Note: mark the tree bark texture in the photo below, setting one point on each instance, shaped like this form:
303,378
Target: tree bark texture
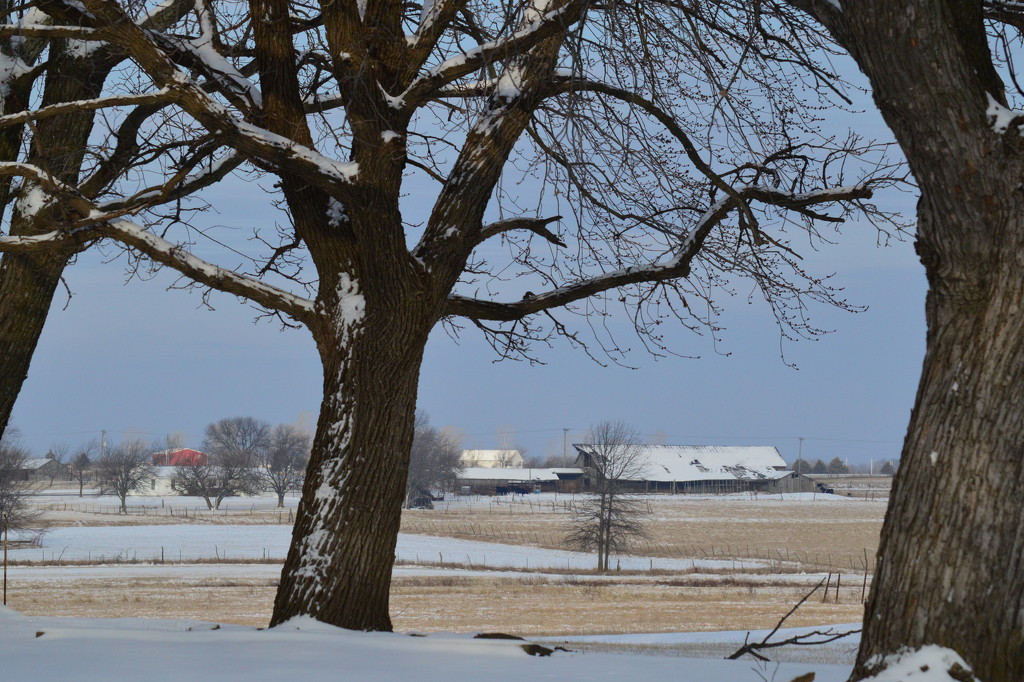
339,564
28,281
951,559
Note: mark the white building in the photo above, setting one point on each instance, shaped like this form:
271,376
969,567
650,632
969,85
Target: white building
709,468
493,459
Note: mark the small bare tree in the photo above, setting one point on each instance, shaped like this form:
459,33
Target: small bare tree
15,511
283,463
81,467
435,460
610,518
124,469
198,478
236,446
59,454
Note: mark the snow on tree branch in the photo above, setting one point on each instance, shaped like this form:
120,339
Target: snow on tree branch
260,145
540,27
163,95
94,224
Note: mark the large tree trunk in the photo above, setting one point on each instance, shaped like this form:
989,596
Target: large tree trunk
950,558
28,281
338,568
27,286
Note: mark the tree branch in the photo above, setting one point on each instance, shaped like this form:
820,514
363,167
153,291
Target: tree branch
503,49
535,225
804,639
162,96
674,268
260,145
94,224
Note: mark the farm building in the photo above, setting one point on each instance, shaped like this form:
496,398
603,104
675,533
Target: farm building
41,469
160,484
709,469
498,481
179,457
500,459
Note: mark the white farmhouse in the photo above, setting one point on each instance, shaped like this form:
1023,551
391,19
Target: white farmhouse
492,459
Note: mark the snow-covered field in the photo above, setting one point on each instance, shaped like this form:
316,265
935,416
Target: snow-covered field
49,648
229,541
472,564
87,650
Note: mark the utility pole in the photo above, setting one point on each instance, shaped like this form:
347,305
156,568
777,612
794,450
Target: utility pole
799,453
103,443
565,447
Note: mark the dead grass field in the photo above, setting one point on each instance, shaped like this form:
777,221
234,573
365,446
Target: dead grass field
525,606
806,535
818,535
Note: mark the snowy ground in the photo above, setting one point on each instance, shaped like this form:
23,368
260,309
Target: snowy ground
48,648
88,650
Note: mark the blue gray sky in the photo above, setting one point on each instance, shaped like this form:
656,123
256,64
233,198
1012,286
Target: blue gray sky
138,360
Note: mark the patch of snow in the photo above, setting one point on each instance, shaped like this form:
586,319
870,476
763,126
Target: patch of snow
351,303
392,101
1000,117
147,13
934,457
81,49
32,198
510,84
930,663
10,69
336,215
729,636
389,135
340,170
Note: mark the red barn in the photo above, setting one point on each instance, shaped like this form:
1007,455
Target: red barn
180,458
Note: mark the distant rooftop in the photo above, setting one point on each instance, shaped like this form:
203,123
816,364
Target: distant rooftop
707,462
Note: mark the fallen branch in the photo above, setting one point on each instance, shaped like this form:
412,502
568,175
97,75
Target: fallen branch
805,639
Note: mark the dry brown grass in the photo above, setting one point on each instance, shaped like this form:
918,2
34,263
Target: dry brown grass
527,607
818,535
808,535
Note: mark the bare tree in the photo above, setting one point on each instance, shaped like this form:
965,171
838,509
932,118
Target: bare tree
434,463
81,467
59,454
665,180
609,518
124,469
100,152
197,478
235,448
283,463
15,491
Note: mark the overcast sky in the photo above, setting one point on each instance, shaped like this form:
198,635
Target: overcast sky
137,359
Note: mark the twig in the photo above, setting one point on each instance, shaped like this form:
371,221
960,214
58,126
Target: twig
805,639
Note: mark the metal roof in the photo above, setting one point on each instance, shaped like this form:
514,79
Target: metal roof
507,474
708,463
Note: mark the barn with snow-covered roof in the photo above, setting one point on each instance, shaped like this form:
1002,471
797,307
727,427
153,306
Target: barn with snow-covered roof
708,469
